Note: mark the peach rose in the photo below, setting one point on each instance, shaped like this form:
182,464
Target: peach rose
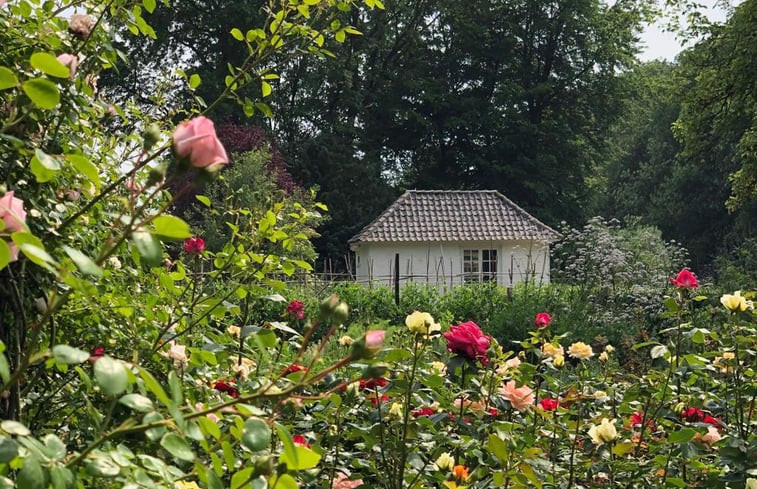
71,61
520,397
196,140
80,25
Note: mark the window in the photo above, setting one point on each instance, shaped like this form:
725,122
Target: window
470,266
479,265
489,265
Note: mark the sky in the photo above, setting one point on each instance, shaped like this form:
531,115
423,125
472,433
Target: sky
659,44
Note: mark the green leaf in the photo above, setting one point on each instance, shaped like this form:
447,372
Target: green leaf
42,92
203,199
5,254
149,247
8,449
194,81
154,434
682,436
177,446
256,435
241,478
43,166
154,386
85,264
32,247
86,168
69,355
659,351
209,427
14,428
497,447
306,458
54,447
136,402
111,376
621,449
237,34
266,88
49,65
171,228
284,481
7,78
31,475
290,454
101,466
149,5
62,477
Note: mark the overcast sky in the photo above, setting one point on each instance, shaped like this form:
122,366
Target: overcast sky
659,44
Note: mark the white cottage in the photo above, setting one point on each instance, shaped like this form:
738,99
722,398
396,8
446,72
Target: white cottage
447,237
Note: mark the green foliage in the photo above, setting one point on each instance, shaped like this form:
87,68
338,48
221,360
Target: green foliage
245,193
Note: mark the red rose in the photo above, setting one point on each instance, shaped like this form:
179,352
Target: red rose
300,440
226,387
542,320
293,368
383,398
423,412
493,412
296,309
194,246
549,404
693,415
467,340
637,420
371,384
712,421
685,280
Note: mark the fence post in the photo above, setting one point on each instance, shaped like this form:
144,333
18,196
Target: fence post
397,279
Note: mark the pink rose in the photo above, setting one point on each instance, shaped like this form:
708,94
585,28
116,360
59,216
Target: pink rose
467,340
12,212
520,397
341,481
542,320
685,280
712,435
71,61
196,140
194,246
374,339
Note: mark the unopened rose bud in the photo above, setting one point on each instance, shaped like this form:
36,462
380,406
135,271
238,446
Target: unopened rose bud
263,466
151,136
328,306
368,346
341,313
559,361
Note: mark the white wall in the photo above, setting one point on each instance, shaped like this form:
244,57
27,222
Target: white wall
440,263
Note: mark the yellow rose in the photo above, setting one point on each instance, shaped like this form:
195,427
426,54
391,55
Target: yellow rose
609,349
736,302
439,367
346,341
559,361
445,461
550,350
396,410
422,323
603,357
580,350
604,432
234,331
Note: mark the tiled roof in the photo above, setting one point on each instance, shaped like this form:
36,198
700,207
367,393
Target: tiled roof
454,215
